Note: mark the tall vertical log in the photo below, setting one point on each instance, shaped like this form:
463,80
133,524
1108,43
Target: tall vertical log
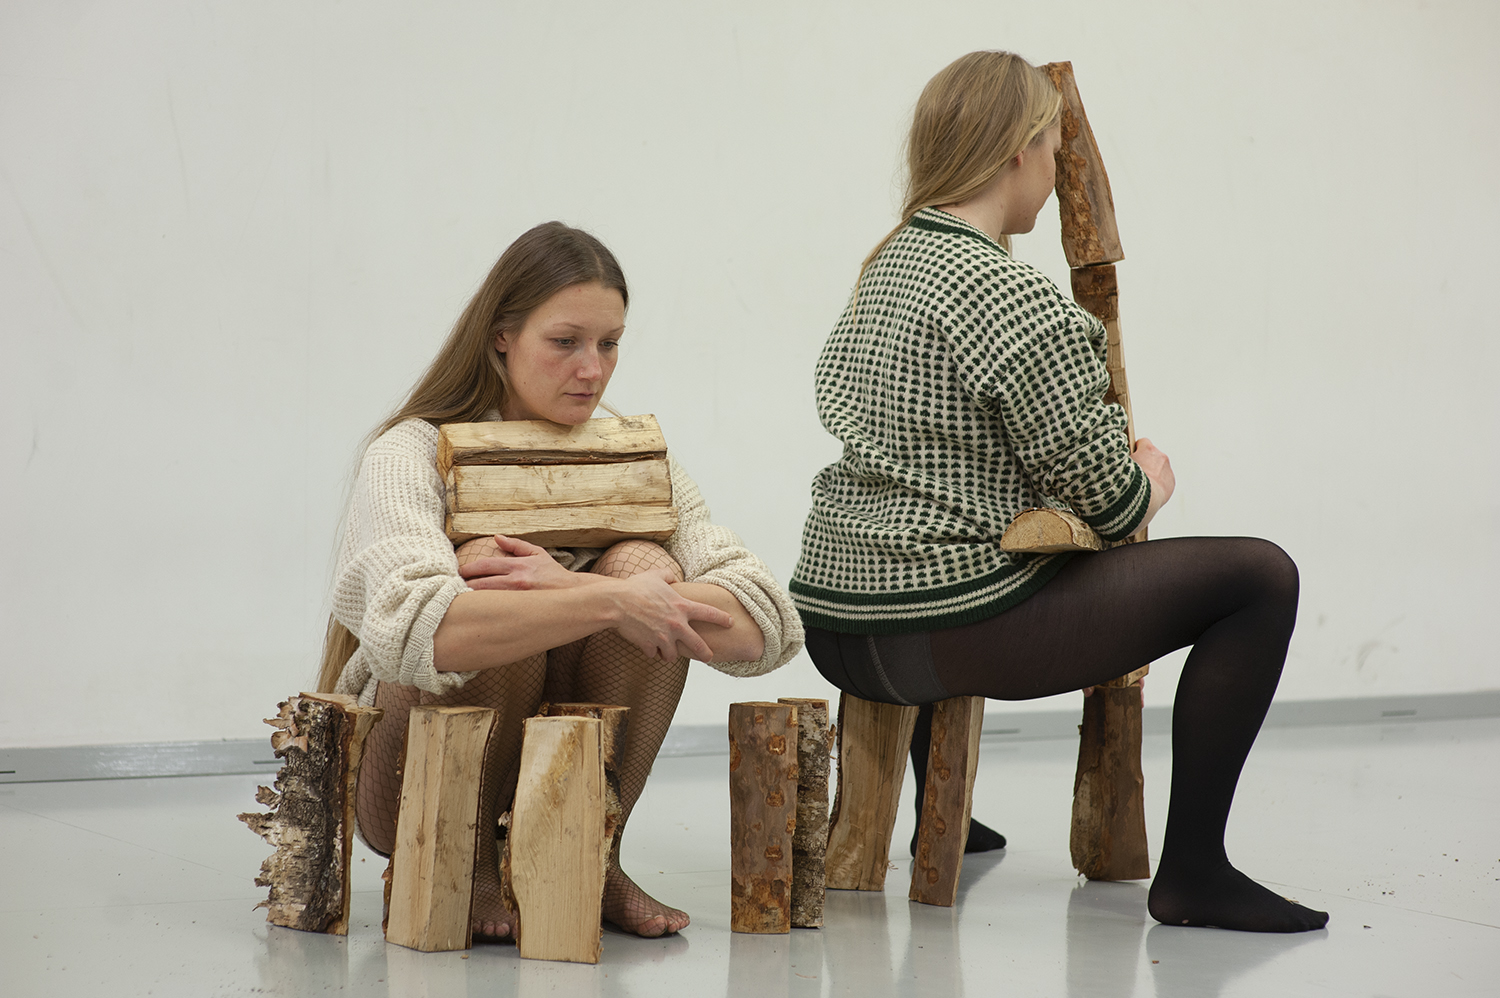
1095,288
762,815
1089,234
614,721
557,843
947,801
810,843
1108,839
873,739
311,823
437,833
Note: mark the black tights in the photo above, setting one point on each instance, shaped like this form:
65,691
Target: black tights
1234,600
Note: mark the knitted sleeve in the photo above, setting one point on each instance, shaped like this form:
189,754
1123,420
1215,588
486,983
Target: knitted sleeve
397,572
1037,360
715,555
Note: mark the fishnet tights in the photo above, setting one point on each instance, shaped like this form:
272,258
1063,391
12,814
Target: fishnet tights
602,668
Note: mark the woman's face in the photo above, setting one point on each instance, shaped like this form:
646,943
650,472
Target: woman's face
561,358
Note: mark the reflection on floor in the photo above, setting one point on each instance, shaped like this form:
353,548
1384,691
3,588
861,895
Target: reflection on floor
136,887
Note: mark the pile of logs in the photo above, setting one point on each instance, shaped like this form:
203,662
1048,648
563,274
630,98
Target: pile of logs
588,485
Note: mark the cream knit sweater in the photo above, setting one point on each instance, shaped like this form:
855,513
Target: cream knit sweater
397,572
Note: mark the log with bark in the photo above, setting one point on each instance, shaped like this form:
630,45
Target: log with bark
1108,839
943,830
873,740
1087,208
810,843
311,822
431,885
762,815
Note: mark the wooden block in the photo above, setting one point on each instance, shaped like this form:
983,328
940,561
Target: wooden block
944,829
484,487
1043,530
311,823
1129,679
432,865
873,740
557,842
1108,840
1089,233
762,815
1097,290
580,526
614,721
810,843
517,441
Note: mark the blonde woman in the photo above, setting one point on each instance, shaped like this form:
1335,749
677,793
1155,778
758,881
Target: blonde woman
505,624
965,387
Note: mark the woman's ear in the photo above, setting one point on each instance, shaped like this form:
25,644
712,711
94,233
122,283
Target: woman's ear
500,344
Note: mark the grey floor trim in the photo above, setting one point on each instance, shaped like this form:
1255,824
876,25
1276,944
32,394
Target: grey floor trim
233,756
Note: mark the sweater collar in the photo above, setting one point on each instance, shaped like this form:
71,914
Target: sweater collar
937,220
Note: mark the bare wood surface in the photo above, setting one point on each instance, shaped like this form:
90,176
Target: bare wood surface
1097,290
516,441
557,841
873,740
810,843
1108,840
311,822
432,865
944,829
1129,679
580,526
762,815
1089,234
475,488
613,722
1043,530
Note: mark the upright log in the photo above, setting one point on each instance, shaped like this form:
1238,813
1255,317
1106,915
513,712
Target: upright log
1089,234
762,815
1108,840
557,842
944,829
613,721
810,843
437,834
311,823
873,739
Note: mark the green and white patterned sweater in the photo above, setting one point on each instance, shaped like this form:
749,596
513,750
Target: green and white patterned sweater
965,387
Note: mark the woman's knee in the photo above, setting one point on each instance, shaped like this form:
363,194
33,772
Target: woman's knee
479,547
1274,569
633,557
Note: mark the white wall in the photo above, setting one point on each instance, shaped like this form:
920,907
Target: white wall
232,234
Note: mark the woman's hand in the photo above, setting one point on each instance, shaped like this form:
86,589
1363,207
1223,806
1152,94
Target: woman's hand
1157,468
522,565
657,619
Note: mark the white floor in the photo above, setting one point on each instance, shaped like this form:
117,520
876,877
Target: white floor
143,887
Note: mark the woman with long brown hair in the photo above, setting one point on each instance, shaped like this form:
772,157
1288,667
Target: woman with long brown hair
505,624
966,387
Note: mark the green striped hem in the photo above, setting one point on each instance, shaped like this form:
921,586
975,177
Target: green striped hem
924,610
929,224
1125,514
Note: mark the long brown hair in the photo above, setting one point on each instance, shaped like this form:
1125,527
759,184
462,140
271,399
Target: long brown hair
972,119
467,378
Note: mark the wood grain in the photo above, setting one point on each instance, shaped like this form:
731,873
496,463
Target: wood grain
873,741
432,865
521,486
944,829
1043,530
579,526
1089,233
762,815
1108,839
557,841
810,843
517,441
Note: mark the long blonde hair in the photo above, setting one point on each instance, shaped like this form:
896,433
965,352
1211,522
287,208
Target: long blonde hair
972,119
467,378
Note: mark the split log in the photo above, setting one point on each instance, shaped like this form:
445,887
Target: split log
944,829
810,843
487,487
1089,233
311,823
1044,530
625,438
1096,289
762,815
1108,840
613,720
873,740
437,833
557,844
564,527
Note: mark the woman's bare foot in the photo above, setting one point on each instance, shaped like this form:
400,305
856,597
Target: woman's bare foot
490,920
633,910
